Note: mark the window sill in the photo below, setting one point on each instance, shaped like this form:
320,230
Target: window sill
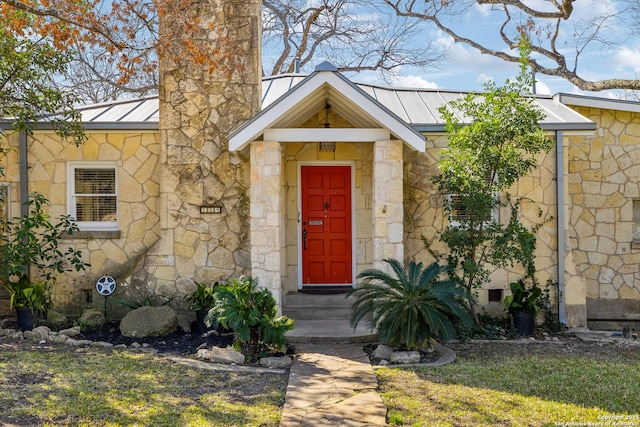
90,235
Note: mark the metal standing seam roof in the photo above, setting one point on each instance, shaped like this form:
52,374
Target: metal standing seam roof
123,114
416,107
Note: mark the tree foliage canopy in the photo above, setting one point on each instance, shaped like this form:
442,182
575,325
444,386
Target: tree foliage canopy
29,65
484,159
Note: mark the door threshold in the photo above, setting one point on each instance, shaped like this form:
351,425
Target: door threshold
325,289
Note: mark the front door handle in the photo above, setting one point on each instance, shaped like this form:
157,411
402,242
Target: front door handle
304,239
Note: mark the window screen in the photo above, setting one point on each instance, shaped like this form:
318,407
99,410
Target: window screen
95,195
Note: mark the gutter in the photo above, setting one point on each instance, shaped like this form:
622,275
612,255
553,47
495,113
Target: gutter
560,225
24,176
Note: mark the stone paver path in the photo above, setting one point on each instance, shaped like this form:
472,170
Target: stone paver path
332,385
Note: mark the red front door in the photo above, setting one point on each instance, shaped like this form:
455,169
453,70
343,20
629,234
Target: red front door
326,225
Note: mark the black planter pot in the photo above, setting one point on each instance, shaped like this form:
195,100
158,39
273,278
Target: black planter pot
200,325
523,322
26,318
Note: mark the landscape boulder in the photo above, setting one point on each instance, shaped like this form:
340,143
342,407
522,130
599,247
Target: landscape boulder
71,332
221,355
382,352
405,357
276,362
149,322
91,318
56,318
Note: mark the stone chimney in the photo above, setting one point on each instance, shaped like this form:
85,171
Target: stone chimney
203,204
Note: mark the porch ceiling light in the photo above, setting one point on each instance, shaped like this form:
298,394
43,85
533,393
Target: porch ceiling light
327,147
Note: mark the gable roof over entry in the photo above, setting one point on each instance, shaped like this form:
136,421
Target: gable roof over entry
406,113
326,87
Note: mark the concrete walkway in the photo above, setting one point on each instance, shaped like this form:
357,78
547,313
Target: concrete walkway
332,385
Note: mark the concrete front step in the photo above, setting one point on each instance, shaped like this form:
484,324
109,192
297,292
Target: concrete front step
300,299
302,306
330,331
317,313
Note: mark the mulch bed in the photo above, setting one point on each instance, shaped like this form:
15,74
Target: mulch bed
179,343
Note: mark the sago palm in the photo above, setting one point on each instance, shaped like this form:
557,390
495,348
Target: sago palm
410,306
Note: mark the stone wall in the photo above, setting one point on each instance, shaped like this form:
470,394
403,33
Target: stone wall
424,218
604,182
136,156
198,109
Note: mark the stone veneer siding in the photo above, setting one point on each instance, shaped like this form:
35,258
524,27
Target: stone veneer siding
424,218
197,111
136,156
267,216
604,180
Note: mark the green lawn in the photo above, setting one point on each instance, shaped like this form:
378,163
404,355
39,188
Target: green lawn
92,387
519,385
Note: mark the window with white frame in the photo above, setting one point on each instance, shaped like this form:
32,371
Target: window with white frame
93,198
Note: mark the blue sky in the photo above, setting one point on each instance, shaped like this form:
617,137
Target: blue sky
467,69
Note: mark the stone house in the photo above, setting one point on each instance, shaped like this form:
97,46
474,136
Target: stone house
305,180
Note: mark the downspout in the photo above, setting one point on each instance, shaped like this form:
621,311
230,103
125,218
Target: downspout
561,234
24,176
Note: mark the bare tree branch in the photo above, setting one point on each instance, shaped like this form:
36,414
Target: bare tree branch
352,37
544,26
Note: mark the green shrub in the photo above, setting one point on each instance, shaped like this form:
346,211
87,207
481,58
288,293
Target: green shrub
203,297
411,307
252,314
31,256
490,328
136,298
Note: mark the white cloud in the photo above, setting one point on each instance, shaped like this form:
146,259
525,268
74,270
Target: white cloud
542,89
464,58
484,78
413,81
626,58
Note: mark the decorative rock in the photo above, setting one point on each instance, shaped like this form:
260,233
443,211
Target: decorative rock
7,332
30,335
56,318
78,343
149,322
276,362
102,344
58,338
405,357
382,352
41,331
121,346
135,345
92,318
71,332
184,323
221,355
384,362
